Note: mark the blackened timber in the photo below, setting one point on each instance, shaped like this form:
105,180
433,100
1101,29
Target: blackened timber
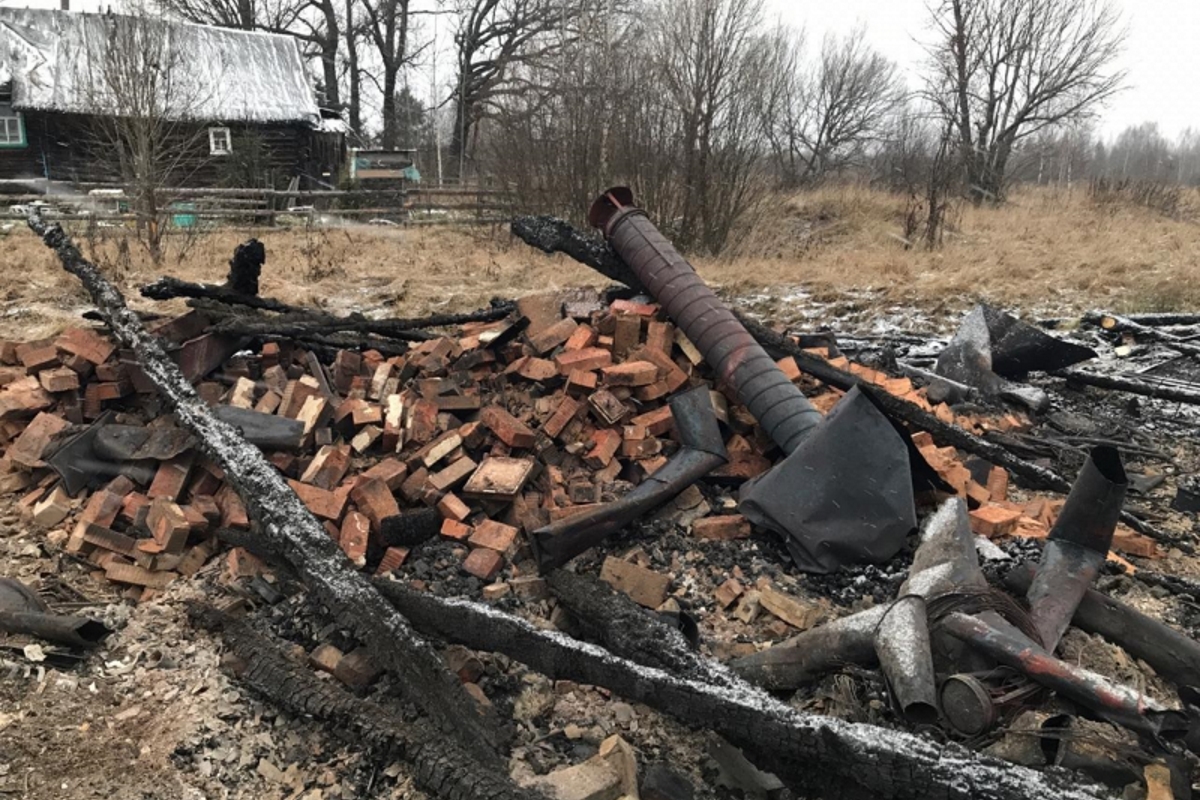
554,235
284,521
167,288
441,767
1132,384
814,754
303,324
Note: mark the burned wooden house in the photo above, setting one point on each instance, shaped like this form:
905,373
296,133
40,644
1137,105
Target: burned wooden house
94,98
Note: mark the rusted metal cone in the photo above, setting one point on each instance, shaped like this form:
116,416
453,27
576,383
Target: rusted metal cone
906,657
777,403
703,451
1078,544
1117,703
809,655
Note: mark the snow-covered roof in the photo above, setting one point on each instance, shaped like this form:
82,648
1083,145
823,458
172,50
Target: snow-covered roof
63,61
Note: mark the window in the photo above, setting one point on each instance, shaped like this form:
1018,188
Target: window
219,142
12,127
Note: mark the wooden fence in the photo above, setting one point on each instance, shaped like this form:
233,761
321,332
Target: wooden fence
196,207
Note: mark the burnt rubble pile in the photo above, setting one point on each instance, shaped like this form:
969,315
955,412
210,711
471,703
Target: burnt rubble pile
451,478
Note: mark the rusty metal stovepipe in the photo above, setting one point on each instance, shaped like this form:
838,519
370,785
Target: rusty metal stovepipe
778,405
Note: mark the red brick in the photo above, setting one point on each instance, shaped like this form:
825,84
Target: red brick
669,372
354,537
660,336
566,411
507,428
588,359
85,343
483,563
22,397
451,507
656,422
630,307
583,337
28,448
631,373
244,564
723,527
36,357
322,503
374,498
169,525
581,383
605,444
494,536
627,333
645,587
233,510
328,467
422,426
994,520
451,476
59,379
549,338
171,478
393,558
390,471
537,369
458,531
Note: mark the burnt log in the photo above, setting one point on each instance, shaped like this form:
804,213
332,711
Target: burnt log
1118,324
1173,655
167,288
58,628
285,522
440,767
815,755
554,235
1131,384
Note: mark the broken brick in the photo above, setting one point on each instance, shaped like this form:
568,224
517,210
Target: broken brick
86,344
453,529
355,536
393,559
605,443
483,563
451,507
171,478
494,536
507,428
60,379
994,520
328,467
549,338
374,499
585,360
725,527
28,449
631,373
322,503
168,524
644,586
451,476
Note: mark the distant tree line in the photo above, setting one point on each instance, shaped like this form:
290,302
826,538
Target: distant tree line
707,106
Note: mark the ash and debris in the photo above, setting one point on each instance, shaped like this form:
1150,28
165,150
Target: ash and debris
152,713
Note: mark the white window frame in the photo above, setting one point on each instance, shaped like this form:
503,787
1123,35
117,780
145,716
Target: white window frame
10,122
216,146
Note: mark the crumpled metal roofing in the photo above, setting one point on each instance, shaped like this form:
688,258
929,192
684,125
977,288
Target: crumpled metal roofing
57,62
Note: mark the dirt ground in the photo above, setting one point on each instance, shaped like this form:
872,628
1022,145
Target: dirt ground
151,715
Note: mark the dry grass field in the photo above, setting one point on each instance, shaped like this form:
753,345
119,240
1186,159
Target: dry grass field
1045,251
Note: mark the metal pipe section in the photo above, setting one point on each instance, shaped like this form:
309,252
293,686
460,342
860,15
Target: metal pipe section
778,405
1078,544
1173,655
1116,703
60,629
906,657
808,656
703,451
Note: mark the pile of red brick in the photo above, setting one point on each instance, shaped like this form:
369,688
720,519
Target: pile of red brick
502,428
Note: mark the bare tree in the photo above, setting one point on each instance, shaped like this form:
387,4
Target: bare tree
353,32
820,118
494,42
387,25
1002,70
144,100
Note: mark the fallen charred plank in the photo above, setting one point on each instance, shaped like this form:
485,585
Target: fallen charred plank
306,324
1131,384
611,619
284,521
1153,320
810,753
440,766
1172,654
167,288
554,235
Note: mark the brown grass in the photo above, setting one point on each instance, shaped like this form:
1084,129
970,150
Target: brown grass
1044,251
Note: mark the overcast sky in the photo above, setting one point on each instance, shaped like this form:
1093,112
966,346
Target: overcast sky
1162,54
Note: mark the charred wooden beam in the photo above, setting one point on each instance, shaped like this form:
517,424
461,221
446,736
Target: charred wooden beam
61,629
1142,385
308,324
814,754
1119,324
167,288
284,521
554,235
440,766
